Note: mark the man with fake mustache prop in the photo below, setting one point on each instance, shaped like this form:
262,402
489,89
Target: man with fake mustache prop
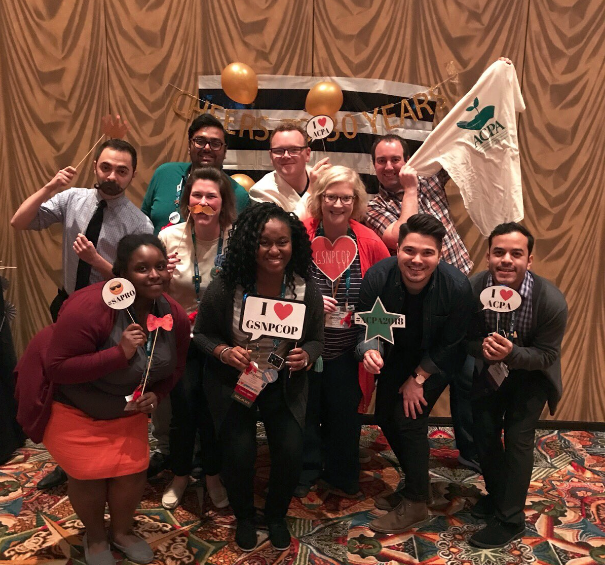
93,221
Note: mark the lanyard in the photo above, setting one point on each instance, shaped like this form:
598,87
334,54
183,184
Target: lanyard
179,189
197,279
347,274
149,344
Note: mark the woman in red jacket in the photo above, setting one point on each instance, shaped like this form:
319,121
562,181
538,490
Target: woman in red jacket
333,425
97,357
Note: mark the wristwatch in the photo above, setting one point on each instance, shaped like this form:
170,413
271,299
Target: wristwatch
419,378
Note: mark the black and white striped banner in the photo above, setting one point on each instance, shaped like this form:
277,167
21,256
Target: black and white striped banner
367,105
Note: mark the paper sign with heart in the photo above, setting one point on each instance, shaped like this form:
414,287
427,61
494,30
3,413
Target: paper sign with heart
320,127
333,259
269,317
500,299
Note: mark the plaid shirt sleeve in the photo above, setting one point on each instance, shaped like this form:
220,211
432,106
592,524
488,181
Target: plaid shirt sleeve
380,215
432,199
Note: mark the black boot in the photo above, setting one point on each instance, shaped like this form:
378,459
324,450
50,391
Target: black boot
55,478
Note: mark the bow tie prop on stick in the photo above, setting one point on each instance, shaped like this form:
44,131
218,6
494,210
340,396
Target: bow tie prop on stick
112,128
153,324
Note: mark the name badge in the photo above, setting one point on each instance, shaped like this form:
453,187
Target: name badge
249,385
498,372
342,319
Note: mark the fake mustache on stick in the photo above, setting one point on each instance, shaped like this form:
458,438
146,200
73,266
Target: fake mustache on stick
199,209
109,187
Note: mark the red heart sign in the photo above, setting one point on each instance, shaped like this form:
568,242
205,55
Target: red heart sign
333,259
321,122
506,294
283,310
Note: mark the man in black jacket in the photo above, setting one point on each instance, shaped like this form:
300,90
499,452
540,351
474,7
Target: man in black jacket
517,370
436,300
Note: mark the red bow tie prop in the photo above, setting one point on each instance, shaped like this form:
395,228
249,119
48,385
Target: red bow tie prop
154,323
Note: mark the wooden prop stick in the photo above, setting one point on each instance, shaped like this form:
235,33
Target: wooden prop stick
155,337
87,154
112,129
290,371
184,232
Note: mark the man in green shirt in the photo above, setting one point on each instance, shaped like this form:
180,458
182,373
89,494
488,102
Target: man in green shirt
207,146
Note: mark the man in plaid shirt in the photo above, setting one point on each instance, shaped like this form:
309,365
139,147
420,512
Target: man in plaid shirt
402,193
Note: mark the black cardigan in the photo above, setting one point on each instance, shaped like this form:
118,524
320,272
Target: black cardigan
213,326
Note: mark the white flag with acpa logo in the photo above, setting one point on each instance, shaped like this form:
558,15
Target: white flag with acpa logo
477,145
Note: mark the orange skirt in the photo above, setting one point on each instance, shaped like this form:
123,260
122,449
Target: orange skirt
89,449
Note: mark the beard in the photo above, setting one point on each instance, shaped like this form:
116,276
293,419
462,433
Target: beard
109,187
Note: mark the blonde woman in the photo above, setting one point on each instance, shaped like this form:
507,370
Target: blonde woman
333,425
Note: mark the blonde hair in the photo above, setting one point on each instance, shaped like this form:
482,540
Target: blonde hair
332,176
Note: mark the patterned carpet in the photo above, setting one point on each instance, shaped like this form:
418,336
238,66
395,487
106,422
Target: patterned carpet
565,514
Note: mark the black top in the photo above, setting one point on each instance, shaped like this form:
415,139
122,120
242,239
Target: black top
213,326
446,310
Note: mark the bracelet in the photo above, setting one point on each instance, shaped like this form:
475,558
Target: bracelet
220,356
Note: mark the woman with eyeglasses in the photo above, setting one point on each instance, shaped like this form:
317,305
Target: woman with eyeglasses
196,249
269,256
333,425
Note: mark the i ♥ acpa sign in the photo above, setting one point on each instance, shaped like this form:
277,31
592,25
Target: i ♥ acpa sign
333,259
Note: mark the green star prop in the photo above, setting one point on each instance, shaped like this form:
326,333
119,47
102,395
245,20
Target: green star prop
379,322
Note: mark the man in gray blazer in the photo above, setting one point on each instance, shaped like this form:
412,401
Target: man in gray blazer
517,371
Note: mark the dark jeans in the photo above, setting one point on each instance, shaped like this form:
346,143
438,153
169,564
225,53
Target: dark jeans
462,409
408,437
515,408
190,413
333,425
238,440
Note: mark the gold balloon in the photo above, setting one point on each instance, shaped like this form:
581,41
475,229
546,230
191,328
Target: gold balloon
244,180
239,82
325,98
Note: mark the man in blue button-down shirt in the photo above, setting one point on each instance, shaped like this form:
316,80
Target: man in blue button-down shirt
115,166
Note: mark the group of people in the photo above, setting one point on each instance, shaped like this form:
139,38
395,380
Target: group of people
214,246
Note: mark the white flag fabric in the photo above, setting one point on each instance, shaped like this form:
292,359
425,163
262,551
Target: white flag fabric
477,145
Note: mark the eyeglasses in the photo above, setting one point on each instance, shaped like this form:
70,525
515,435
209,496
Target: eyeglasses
332,199
292,151
201,142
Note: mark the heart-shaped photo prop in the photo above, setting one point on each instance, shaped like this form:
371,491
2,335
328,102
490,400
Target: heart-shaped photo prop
333,259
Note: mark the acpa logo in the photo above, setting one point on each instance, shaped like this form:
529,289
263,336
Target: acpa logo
487,133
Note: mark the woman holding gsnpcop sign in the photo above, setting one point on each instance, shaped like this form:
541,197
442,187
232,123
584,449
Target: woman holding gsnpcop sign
248,372
343,250
196,249
104,372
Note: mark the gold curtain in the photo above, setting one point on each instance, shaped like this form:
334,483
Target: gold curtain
65,64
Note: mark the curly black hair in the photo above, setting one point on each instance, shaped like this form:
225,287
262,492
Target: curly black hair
239,267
